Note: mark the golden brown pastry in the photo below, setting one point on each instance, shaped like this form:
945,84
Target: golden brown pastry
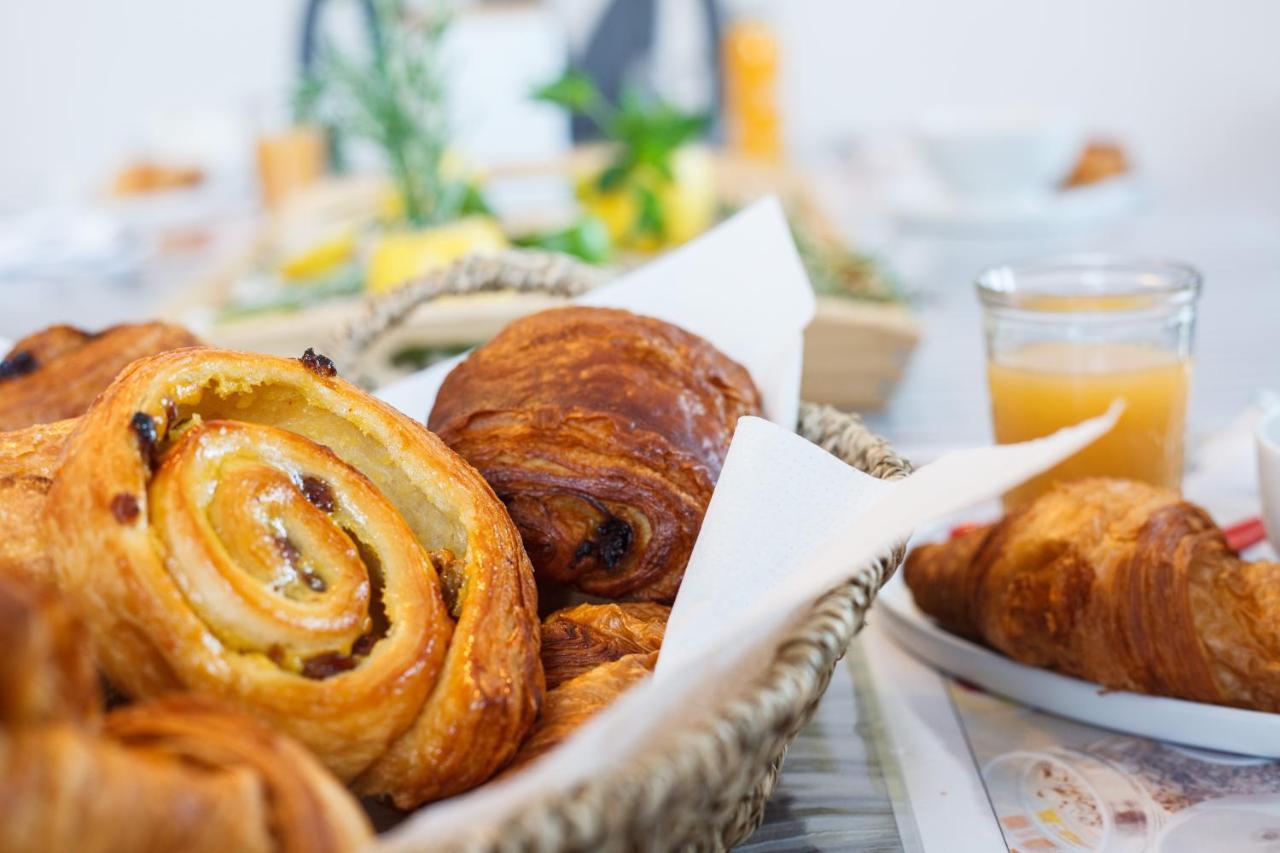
604,433
178,774
1115,582
302,806
28,459
591,654
256,529
46,674
578,700
578,639
55,373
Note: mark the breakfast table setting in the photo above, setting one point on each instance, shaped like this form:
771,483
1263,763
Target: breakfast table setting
663,487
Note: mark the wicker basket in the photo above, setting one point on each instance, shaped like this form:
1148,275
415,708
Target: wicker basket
703,787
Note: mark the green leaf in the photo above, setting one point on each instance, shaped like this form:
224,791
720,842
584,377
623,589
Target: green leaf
575,91
651,220
588,239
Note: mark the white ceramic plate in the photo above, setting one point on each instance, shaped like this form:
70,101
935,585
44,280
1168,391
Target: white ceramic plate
1191,723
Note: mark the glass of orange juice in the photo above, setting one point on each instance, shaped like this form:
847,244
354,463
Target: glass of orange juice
1065,337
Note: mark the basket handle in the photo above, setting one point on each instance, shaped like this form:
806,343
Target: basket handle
515,270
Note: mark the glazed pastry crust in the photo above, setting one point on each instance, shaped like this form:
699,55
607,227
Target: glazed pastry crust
578,639
592,653
57,372
296,548
576,701
178,774
1115,582
604,433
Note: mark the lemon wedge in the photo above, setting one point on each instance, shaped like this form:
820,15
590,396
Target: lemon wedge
321,258
399,256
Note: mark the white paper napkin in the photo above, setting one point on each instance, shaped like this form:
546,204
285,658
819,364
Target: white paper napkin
740,286
787,522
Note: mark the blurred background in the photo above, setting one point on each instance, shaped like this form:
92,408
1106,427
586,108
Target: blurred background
254,169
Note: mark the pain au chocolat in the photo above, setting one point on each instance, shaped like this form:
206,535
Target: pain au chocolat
604,433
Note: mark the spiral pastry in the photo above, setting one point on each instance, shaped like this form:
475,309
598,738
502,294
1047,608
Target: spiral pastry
604,433
179,773
256,529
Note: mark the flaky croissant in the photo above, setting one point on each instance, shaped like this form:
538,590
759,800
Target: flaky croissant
604,433
578,639
1115,582
256,529
178,774
56,372
592,653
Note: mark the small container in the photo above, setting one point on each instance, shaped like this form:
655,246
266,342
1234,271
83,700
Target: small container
1066,337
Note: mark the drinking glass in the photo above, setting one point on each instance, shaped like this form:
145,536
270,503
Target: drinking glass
1067,336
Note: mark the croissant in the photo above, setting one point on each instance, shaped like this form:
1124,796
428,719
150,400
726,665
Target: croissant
578,700
1115,582
55,373
256,529
604,433
591,653
178,774
578,639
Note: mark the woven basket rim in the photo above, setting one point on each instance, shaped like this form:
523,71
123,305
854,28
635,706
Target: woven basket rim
611,810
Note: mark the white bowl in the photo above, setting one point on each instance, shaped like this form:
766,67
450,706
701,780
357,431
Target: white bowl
1267,436
1001,161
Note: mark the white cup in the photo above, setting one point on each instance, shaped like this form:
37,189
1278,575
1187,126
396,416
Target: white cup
1268,441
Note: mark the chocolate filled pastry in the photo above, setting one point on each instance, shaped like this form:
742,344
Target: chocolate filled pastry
604,433
181,773
592,654
55,373
256,529
1115,582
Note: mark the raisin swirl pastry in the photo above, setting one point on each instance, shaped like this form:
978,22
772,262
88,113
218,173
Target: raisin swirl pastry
256,529
604,433
179,773
56,372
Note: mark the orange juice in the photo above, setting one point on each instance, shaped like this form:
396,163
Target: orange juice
752,117
1042,387
289,161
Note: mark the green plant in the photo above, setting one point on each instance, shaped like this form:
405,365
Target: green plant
646,133
395,99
